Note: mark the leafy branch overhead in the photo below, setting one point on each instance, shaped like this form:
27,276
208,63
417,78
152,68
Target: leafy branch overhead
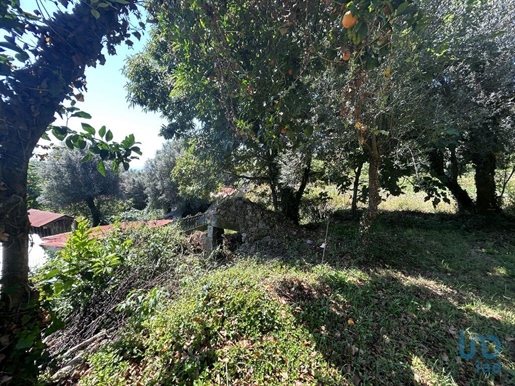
119,153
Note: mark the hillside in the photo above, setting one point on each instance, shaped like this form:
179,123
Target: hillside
387,314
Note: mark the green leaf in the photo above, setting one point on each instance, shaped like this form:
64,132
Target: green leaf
81,114
401,8
87,157
136,150
69,143
95,13
104,154
109,136
12,46
361,30
22,57
101,168
102,131
24,343
94,149
88,128
60,132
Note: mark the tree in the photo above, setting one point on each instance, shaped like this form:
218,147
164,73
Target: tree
42,64
463,72
196,178
162,192
34,185
253,93
33,90
243,69
132,185
70,180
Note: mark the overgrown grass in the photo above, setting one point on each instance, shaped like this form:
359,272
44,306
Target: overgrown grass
390,317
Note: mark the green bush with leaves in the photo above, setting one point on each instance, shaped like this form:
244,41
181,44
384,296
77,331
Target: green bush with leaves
84,264
225,328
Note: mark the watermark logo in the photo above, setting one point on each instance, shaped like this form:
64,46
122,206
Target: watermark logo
482,367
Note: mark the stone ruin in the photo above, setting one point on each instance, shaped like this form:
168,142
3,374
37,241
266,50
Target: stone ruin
252,221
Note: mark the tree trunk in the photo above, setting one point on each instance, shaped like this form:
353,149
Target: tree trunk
95,213
486,201
355,188
30,99
465,203
290,199
17,305
273,175
374,198
15,224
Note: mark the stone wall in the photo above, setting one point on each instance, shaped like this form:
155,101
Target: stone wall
253,221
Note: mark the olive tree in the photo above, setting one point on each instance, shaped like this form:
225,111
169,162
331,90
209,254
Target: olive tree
68,179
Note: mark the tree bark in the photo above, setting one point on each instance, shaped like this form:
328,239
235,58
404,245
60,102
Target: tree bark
67,44
355,188
374,198
15,227
436,158
95,213
290,199
486,199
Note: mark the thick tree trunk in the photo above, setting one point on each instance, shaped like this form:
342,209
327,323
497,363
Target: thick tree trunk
290,199
486,201
69,43
15,224
288,205
95,213
15,313
465,203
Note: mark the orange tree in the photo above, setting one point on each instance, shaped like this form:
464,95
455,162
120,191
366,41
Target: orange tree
238,68
246,69
42,62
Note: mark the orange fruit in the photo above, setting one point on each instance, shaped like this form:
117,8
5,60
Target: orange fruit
346,55
348,20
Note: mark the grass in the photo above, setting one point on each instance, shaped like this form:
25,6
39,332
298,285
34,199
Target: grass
393,316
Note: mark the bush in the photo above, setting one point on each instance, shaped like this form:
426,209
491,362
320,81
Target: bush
224,329
86,281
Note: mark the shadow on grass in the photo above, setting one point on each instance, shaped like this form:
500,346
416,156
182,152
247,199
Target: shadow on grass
390,313
378,329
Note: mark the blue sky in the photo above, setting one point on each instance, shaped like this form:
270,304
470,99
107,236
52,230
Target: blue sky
106,101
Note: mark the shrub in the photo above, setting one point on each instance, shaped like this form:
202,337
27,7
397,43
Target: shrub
224,329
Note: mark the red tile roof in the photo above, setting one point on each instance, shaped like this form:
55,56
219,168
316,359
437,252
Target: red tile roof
38,218
58,241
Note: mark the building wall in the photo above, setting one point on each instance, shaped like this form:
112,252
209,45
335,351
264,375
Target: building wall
59,226
37,255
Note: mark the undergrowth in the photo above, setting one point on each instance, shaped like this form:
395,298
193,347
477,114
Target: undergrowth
393,316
